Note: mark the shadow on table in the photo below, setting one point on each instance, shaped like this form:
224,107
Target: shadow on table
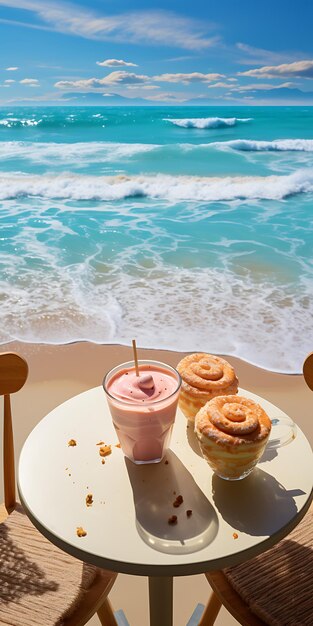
192,439
256,505
155,489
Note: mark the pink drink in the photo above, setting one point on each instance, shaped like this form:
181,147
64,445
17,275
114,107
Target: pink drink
143,408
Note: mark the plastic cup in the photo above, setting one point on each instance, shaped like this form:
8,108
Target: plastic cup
143,428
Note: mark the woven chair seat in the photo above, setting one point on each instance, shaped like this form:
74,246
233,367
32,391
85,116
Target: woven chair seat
39,584
278,584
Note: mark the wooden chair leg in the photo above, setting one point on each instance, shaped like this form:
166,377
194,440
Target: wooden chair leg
106,615
211,611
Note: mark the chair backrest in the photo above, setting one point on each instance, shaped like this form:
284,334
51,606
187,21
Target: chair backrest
308,370
13,375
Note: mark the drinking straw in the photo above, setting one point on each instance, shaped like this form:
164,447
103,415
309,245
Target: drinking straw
135,356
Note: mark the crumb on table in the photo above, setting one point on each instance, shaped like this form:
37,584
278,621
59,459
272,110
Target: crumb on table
71,443
235,536
172,520
80,532
89,499
189,513
105,450
100,443
117,445
179,500
102,461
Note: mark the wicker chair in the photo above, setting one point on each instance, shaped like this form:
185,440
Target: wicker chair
275,588
40,584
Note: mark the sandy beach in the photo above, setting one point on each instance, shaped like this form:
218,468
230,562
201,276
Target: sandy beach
57,373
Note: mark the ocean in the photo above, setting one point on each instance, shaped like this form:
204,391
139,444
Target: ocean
187,228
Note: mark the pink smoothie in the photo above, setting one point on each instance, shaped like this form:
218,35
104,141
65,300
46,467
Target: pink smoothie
143,409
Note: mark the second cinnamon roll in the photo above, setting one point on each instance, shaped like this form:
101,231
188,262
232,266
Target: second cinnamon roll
204,376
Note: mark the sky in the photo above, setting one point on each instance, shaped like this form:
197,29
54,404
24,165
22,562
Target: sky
211,52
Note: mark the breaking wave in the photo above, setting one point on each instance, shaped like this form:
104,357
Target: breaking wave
207,122
278,145
60,305
91,151
55,120
172,188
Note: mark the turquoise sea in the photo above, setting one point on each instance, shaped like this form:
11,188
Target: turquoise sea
188,228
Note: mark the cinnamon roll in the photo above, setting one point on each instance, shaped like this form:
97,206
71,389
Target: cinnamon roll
233,432
204,377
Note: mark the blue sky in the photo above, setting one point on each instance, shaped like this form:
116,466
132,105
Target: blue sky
244,52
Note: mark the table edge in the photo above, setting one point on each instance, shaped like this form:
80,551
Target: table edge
182,569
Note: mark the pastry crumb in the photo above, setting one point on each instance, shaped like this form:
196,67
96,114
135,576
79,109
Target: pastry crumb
179,500
189,513
80,532
71,443
172,520
166,463
89,499
100,443
105,450
235,536
102,461
117,445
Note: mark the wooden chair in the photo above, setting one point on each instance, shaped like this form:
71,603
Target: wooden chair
39,583
276,587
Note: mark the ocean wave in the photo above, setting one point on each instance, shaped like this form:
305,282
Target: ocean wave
53,121
91,151
277,145
14,122
172,188
263,323
207,122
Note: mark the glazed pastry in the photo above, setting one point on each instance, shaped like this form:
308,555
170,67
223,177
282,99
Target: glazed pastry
233,432
204,377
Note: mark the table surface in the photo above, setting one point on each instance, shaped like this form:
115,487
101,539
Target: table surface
127,524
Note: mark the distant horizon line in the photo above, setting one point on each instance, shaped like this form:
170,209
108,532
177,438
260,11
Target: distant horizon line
170,104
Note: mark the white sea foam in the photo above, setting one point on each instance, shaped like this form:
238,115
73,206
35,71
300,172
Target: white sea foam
278,145
175,308
10,122
92,151
207,122
172,188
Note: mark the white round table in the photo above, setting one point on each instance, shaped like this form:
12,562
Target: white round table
127,525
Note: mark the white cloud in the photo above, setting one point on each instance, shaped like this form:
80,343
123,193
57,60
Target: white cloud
194,77
11,69
150,26
115,78
146,87
298,69
30,82
219,85
121,77
260,56
8,81
124,78
116,63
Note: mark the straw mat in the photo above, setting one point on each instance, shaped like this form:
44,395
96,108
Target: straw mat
39,584
278,584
